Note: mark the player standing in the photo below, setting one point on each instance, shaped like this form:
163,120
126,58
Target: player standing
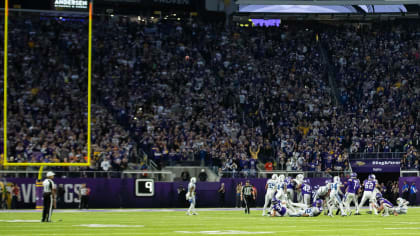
335,199
306,192
270,187
190,196
369,186
353,186
247,196
49,197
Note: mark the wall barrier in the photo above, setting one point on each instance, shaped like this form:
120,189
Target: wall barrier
120,193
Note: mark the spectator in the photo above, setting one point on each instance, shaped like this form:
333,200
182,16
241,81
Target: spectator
221,192
182,202
60,196
268,166
405,190
413,194
185,175
15,196
238,202
203,176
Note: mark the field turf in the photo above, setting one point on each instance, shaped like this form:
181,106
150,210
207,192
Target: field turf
208,222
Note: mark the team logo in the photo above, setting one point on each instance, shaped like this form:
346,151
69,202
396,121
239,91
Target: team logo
360,163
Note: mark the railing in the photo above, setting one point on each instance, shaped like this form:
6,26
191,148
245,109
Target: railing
267,174
166,176
409,173
376,155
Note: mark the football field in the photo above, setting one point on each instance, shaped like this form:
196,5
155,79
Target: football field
208,222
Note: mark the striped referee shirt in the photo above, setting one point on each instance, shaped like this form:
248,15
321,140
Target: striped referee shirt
48,185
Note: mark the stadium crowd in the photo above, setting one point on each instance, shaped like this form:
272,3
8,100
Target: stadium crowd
229,97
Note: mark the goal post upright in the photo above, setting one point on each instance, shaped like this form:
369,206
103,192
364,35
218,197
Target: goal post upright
89,83
89,150
6,13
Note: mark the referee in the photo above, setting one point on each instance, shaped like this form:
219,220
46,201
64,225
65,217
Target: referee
49,197
247,195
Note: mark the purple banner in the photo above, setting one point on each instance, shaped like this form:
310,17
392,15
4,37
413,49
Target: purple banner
116,193
371,166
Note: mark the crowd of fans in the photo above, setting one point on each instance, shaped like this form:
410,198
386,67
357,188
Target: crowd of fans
47,99
228,97
378,79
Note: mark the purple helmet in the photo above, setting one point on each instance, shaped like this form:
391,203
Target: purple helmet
318,202
328,181
378,195
353,175
372,177
307,181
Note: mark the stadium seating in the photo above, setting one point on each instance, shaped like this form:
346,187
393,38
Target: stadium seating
211,95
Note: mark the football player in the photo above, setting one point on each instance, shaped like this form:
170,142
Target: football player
323,193
270,187
335,199
313,211
279,207
369,186
306,191
190,196
352,188
385,205
402,207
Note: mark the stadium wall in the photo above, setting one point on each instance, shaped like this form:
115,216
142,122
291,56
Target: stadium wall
120,193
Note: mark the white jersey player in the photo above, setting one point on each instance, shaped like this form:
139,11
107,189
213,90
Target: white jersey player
402,207
270,188
323,191
190,196
335,199
281,188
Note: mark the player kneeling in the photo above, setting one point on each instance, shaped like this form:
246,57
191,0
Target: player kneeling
402,206
385,205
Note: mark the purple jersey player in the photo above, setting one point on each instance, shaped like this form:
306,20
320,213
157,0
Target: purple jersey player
279,209
352,189
369,193
385,205
306,192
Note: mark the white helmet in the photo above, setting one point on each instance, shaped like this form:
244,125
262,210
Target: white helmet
336,179
399,200
299,177
274,177
281,178
193,180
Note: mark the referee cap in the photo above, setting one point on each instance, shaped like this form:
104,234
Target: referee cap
50,173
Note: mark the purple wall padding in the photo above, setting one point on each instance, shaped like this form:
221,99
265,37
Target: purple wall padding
409,181
116,193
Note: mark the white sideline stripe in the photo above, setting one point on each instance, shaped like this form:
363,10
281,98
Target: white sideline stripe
108,226
21,221
403,228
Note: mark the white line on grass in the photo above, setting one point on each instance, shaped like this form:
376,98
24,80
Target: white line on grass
404,228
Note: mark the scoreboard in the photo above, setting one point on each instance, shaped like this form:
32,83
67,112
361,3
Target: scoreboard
145,187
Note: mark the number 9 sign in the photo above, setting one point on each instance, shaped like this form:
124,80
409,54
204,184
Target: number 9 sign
145,187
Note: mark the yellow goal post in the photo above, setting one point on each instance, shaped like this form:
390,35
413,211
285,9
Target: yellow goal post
5,161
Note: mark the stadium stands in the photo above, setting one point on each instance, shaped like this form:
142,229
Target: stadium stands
212,94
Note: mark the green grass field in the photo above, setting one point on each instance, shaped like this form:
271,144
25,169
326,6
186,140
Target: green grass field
208,222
